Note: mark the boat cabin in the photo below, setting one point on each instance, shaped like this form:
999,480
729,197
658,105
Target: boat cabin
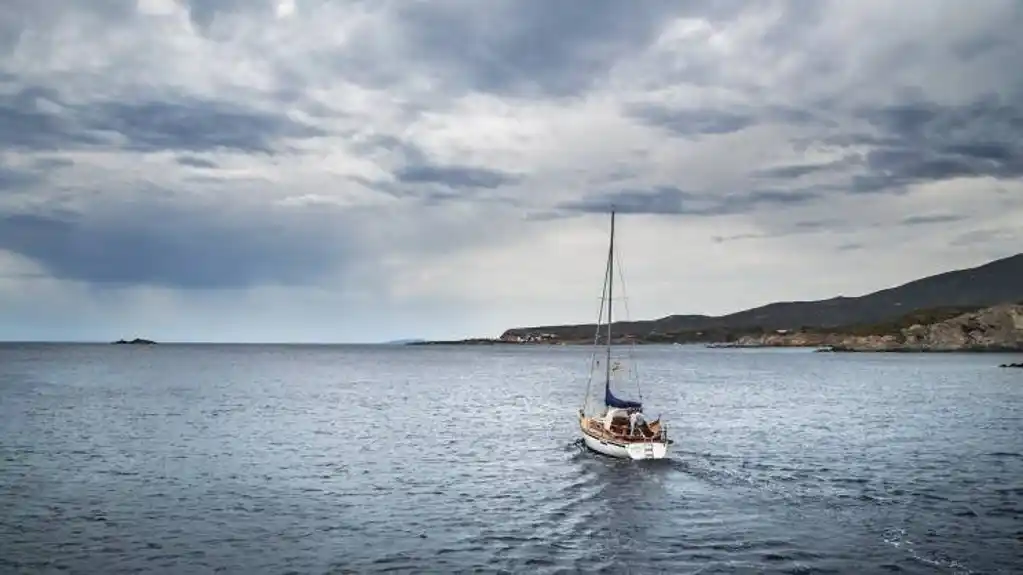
626,422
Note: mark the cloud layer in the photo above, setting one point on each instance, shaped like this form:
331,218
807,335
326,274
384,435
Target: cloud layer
352,171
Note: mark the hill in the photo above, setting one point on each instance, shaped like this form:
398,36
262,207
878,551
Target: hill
994,328
956,291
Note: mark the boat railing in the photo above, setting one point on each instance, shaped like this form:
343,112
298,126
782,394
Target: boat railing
659,437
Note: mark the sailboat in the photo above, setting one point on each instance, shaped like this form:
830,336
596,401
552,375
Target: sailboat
618,428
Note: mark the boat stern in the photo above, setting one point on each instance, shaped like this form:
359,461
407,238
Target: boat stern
647,450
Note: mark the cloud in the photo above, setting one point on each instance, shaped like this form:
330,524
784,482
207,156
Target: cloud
933,219
39,119
47,164
798,228
929,142
203,13
795,171
30,118
668,200
15,179
374,170
850,247
691,122
453,176
193,125
169,246
195,162
534,48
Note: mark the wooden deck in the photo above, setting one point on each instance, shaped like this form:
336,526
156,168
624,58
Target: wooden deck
645,433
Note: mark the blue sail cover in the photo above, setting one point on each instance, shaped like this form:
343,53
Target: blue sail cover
611,401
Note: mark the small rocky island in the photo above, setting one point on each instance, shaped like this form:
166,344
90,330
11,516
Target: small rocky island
136,341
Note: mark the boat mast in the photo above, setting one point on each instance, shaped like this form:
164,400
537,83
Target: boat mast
610,298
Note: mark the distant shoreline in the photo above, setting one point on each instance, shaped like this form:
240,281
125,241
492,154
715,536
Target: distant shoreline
816,348
972,330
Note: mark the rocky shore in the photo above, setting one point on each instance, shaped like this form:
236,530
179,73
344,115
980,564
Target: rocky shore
996,328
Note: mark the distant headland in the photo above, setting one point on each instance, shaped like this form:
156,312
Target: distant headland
136,341
974,309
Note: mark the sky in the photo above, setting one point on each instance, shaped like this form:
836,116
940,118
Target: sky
367,170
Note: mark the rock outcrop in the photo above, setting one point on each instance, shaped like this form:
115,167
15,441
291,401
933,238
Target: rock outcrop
136,341
997,328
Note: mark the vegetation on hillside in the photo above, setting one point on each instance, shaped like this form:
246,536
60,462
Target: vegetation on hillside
894,327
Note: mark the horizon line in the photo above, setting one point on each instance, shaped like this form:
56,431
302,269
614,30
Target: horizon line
180,342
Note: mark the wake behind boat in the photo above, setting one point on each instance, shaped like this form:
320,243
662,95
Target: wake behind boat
619,428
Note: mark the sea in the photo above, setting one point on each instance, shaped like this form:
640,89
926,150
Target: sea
435,459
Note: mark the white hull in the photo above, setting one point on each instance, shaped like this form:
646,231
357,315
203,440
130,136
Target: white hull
644,450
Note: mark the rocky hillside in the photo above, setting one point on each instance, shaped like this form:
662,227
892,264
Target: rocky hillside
996,328
986,285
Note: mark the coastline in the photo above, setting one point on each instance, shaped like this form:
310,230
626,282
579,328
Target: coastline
725,345
994,329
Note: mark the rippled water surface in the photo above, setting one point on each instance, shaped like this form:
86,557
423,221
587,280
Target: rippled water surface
276,459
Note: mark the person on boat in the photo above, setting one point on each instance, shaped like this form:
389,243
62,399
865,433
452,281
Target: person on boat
635,421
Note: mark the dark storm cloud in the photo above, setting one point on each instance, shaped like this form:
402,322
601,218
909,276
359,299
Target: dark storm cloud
403,150
690,122
668,200
534,50
537,46
921,141
795,171
14,178
454,176
203,13
19,17
26,123
792,172
194,162
177,247
192,124
37,118
850,247
914,141
418,176
815,225
712,121
933,219
736,237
